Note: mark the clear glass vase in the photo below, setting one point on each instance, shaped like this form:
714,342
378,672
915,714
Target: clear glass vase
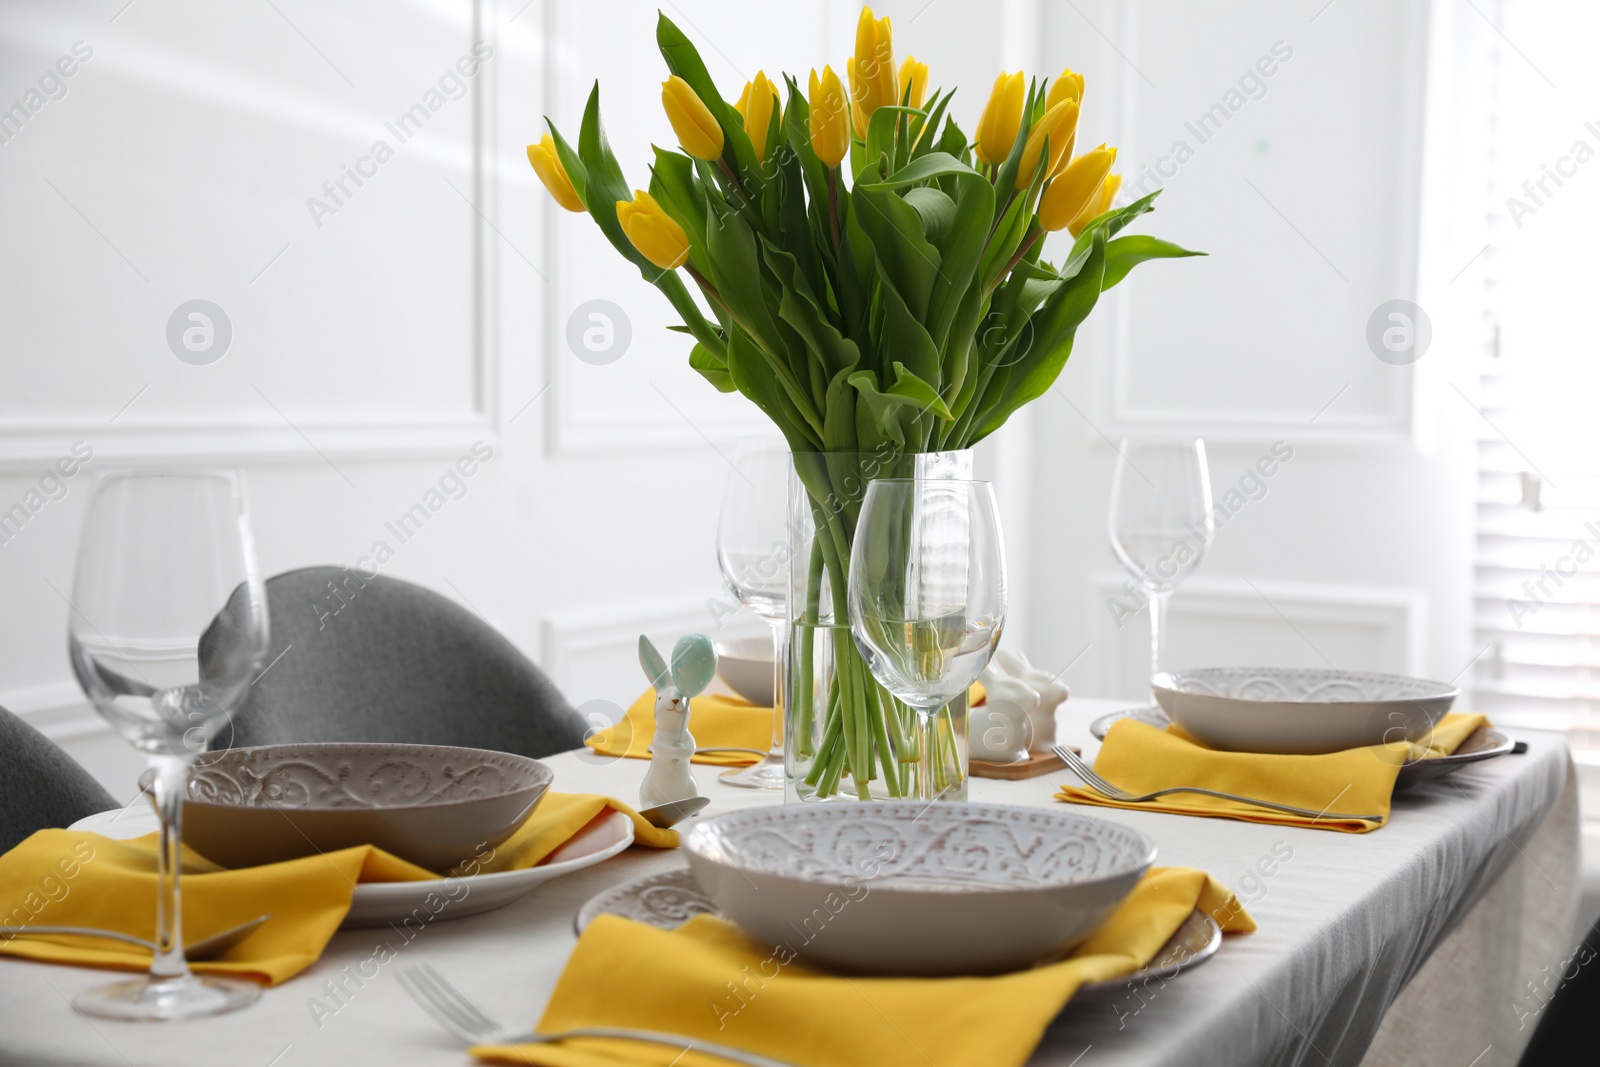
846,737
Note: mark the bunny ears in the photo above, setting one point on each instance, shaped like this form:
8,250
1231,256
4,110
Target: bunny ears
694,664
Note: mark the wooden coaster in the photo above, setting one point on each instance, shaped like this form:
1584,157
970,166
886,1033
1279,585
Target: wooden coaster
1031,767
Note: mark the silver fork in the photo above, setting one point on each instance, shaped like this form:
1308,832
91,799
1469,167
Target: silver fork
452,1010
1080,768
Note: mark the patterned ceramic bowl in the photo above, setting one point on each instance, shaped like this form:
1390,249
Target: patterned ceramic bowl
1300,711
908,888
431,804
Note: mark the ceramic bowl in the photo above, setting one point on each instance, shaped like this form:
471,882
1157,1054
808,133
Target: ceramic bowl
1300,711
745,663
907,888
431,804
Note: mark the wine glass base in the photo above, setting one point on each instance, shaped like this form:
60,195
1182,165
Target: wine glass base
768,774
154,999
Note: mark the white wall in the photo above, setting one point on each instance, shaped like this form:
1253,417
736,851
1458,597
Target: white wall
1358,552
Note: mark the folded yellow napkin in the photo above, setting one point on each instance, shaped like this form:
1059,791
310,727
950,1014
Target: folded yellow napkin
72,878
708,980
715,719
1359,781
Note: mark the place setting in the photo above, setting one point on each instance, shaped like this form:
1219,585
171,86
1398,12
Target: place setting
849,799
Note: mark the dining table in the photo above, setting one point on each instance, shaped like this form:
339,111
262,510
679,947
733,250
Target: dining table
1428,941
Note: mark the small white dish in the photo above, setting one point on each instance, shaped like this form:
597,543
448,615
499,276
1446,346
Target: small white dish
1300,711
382,903
671,898
745,663
907,888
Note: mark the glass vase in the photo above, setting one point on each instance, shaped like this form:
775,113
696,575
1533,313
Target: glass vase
846,737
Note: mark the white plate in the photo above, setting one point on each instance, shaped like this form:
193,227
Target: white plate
380,903
1300,711
670,899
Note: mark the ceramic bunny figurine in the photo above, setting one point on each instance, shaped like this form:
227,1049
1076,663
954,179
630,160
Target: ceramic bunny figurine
999,731
694,663
1051,694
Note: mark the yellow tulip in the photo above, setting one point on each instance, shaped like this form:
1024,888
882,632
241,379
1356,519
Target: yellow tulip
758,105
547,165
1002,116
1074,188
656,235
1060,125
1098,205
691,120
830,118
873,81
1069,86
914,76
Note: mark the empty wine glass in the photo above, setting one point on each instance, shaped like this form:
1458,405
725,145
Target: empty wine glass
753,554
167,629
927,597
1161,522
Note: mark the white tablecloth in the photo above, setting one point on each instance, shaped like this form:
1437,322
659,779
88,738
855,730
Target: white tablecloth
1345,922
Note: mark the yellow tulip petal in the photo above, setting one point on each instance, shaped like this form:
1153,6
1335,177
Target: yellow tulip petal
830,117
1002,118
914,77
1098,205
1068,86
697,130
1059,124
758,105
1074,188
656,235
547,165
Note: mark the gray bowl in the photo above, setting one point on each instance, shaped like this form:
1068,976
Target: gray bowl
909,888
1300,711
433,805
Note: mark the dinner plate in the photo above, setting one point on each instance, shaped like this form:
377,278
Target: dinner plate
1485,743
381,903
671,898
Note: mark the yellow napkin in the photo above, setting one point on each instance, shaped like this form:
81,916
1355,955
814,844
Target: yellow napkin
714,719
708,980
72,878
1142,759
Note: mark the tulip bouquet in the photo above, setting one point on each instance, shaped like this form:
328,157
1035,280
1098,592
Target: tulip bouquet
873,281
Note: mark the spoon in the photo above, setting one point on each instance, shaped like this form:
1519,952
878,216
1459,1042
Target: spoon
667,815
204,949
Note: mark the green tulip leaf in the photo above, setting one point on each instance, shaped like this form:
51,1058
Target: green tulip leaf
1125,253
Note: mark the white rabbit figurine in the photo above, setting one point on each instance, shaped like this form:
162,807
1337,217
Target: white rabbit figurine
694,662
1050,692
998,730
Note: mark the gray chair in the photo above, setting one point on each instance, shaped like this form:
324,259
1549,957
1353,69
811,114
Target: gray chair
40,785
379,659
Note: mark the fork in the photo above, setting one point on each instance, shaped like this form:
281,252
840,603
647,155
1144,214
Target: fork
452,1010
197,951
1078,767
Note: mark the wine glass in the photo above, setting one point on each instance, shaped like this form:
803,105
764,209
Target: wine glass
1161,523
927,599
753,554
168,627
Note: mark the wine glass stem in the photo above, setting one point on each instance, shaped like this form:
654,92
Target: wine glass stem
777,625
171,776
1158,629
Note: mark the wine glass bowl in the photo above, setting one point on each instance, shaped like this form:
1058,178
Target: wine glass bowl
753,556
1161,522
927,602
167,629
